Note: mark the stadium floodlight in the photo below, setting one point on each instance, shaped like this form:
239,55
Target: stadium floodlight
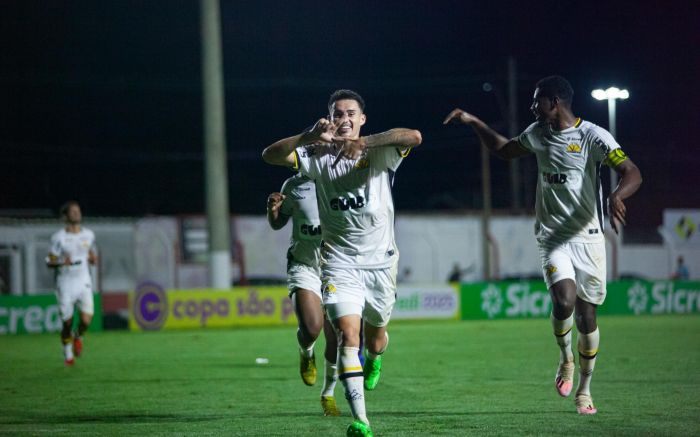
610,93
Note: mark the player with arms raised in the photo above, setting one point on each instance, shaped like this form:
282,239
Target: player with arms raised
353,176
72,251
569,211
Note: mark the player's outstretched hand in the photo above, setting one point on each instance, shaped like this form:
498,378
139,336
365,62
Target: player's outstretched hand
459,116
616,211
323,130
274,201
349,148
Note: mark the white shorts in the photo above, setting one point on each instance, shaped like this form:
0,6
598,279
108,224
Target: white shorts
584,263
301,276
368,293
72,294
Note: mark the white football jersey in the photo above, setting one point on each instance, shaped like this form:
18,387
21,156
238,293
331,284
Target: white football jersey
77,246
569,201
300,204
355,204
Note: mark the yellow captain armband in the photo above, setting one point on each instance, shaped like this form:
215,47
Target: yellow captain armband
615,158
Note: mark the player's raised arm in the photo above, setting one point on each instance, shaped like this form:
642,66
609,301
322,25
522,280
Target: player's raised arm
276,219
398,137
630,180
282,151
492,140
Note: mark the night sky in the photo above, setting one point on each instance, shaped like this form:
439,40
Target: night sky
100,101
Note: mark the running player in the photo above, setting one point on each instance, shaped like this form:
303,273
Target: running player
298,201
569,211
72,251
353,176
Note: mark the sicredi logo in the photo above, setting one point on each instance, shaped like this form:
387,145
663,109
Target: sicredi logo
34,319
150,306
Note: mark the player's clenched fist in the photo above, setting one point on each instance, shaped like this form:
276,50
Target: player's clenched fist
274,201
460,116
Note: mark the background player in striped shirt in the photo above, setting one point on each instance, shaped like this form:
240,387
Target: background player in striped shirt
569,211
353,176
72,251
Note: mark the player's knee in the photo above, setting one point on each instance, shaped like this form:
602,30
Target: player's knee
586,322
563,305
349,337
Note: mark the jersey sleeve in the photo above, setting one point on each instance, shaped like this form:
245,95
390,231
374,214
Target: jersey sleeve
605,148
55,247
305,161
524,139
388,157
287,207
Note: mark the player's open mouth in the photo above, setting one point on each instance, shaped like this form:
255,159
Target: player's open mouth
344,129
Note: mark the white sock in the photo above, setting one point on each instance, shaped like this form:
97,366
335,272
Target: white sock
587,351
68,350
330,378
308,352
562,332
350,374
372,356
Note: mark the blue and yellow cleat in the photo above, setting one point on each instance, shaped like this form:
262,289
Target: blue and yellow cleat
359,429
372,371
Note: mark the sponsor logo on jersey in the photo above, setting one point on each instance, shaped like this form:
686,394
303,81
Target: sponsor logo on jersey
310,229
554,178
573,148
343,204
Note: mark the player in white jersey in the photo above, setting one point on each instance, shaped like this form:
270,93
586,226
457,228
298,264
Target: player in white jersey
298,201
569,211
71,253
353,176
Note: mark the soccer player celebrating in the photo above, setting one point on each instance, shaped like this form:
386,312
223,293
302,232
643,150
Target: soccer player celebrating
298,201
569,225
72,249
353,176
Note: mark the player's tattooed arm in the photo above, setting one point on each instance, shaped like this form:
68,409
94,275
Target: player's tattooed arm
630,180
398,137
492,140
282,151
276,219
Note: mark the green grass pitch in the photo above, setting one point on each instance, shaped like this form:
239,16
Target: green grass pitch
440,378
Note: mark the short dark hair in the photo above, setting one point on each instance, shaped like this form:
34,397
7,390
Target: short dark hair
66,206
556,86
346,95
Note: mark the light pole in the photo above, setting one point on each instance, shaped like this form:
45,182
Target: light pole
611,95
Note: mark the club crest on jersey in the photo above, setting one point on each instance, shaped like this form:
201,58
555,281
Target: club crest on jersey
573,148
